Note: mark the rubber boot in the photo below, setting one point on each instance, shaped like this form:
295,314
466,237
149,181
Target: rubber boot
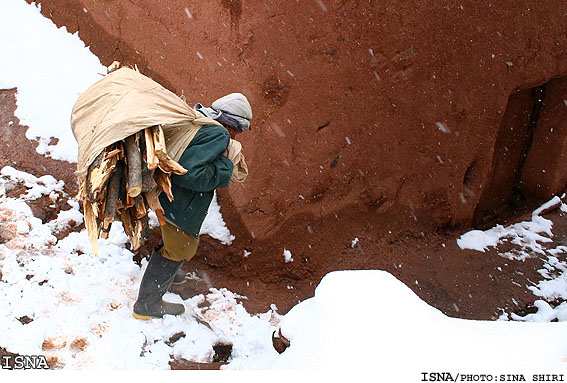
156,281
179,276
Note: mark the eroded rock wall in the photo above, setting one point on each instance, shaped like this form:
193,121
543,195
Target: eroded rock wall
389,111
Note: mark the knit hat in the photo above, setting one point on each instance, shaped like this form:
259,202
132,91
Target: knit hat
235,106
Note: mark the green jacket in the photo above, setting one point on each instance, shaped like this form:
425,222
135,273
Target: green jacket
207,169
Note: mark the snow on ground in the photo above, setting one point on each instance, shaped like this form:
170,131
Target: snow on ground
80,305
57,299
532,238
527,235
369,318
50,67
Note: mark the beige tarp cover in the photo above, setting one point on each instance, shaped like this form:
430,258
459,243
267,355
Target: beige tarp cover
125,102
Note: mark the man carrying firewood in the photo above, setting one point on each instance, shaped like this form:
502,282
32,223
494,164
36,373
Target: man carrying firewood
206,159
142,148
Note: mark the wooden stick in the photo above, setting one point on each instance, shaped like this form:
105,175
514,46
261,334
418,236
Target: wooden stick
82,193
95,210
158,139
152,201
122,154
92,226
134,158
98,175
126,219
137,238
168,165
113,153
122,195
113,195
156,152
89,179
164,183
100,206
139,207
151,158
130,201
148,182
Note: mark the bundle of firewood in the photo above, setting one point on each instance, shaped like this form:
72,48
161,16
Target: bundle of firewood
124,182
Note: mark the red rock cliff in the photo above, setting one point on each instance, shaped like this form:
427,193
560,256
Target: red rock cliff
400,114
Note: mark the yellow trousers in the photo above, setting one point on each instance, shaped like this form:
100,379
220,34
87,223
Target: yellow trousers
177,244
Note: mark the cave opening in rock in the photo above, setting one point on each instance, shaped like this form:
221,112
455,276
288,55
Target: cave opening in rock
530,154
